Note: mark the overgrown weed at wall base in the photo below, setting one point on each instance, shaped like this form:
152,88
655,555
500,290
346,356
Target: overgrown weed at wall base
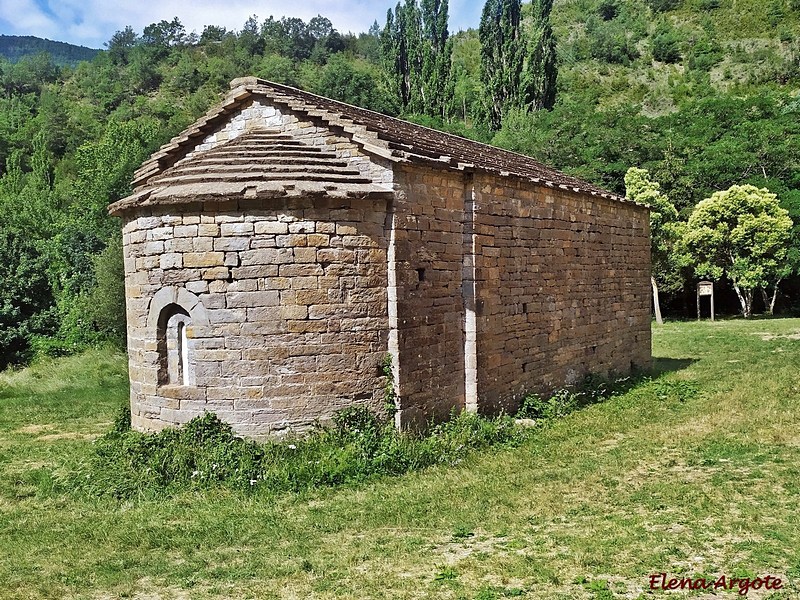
206,453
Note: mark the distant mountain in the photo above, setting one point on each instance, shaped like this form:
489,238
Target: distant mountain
16,47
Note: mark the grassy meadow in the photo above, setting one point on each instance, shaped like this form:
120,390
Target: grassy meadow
693,472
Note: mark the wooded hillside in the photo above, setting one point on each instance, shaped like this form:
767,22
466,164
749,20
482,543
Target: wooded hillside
701,93
16,47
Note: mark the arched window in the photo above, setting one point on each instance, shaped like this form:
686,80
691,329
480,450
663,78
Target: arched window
174,347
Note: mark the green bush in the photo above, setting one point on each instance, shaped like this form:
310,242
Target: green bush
207,453
562,402
106,306
705,54
26,298
608,9
611,42
667,44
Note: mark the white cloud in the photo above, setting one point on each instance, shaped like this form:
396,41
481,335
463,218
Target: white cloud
24,17
93,22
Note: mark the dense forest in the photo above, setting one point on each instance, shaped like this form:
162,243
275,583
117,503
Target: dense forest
703,94
16,47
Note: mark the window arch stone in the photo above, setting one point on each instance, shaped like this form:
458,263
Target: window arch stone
172,315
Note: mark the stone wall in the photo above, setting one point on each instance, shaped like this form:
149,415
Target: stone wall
482,288
505,287
314,131
563,288
286,304
429,213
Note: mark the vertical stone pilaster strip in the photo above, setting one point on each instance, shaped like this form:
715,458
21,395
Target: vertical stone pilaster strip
468,294
391,301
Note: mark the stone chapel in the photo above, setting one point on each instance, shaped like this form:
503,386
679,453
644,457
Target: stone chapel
282,247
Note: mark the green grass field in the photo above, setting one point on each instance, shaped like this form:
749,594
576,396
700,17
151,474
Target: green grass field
693,473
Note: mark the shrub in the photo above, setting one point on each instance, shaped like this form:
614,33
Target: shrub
610,42
26,298
705,54
106,306
667,45
562,402
207,453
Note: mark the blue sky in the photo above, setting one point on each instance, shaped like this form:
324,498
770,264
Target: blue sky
93,22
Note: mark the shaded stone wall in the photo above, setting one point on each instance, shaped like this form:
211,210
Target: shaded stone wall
563,288
259,115
286,305
429,213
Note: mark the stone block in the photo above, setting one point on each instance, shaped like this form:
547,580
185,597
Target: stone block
305,255
254,272
322,227
202,244
301,270
227,315
151,248
231,244
159,233
318,239
236,229
306,326
218,273
301,283
294,312
203,259
302,227
252,299
208,230
182,231
266,256
171,261
197,287
271,227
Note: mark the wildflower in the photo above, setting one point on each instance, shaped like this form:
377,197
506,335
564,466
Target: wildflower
292,447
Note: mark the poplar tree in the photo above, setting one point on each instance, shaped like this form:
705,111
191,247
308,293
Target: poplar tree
501,56
539,85
437,53
417,52
666,230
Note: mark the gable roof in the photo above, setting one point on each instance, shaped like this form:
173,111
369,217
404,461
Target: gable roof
163,179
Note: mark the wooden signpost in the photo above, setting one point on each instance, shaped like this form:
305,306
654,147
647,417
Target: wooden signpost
705,288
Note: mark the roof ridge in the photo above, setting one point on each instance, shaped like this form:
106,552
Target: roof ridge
572,182
377,134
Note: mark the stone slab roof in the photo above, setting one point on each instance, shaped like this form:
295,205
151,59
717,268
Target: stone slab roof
256,164
260,164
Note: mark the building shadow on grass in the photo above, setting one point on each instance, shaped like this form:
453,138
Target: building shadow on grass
663,365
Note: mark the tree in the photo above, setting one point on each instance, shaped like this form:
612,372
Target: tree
121,44
25,296
341,80
666,43
417,52
437,51
501,56
741,233
541,71
665,232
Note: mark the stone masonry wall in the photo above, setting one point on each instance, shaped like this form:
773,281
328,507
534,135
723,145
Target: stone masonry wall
287,309
429,212
563,288
258,115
